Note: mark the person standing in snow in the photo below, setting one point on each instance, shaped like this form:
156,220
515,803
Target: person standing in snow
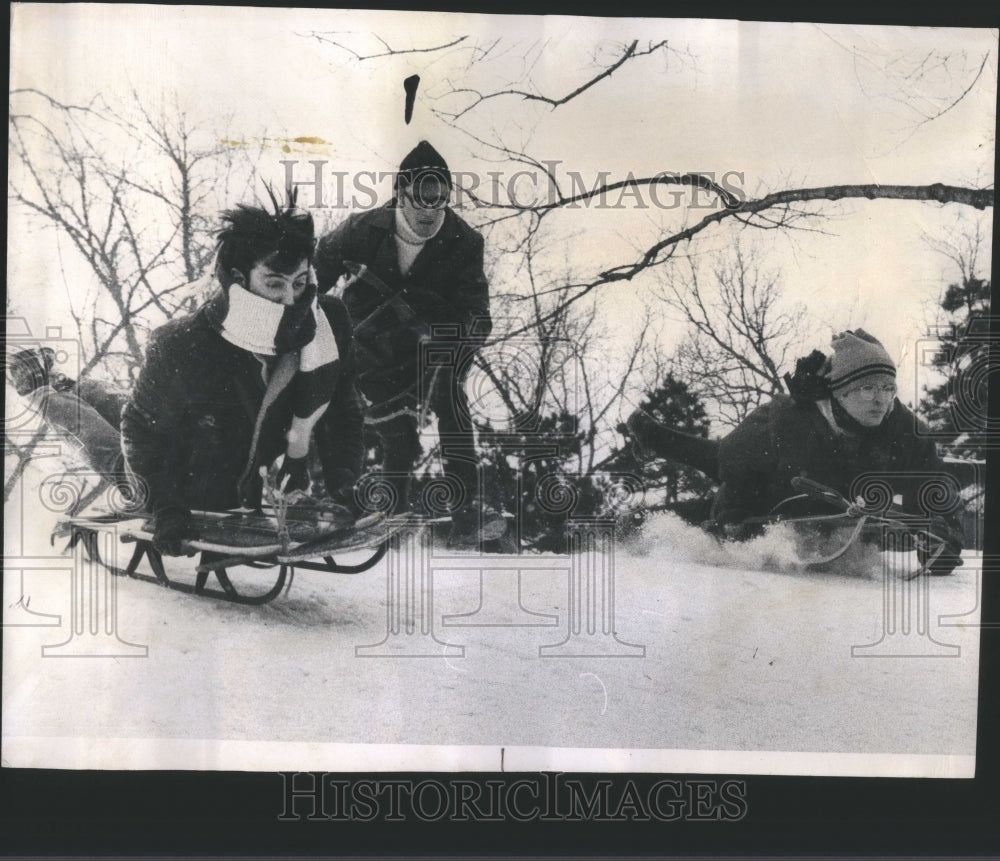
423,267
840,421
246,382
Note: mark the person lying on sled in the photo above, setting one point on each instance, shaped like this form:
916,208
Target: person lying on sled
88,411
246,381
840,421
423,267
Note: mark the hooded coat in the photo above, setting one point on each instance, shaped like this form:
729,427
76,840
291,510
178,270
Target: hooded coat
188,427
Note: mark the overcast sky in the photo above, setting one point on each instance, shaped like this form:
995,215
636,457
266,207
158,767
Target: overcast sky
786,105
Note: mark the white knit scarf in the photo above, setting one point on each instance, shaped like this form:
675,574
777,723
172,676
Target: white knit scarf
301,338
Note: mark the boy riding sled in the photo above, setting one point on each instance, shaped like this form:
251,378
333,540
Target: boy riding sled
841,421
261,369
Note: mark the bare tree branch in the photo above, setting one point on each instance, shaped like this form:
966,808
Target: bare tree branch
662,251
741,332
554,102
324,39
601,190
100,198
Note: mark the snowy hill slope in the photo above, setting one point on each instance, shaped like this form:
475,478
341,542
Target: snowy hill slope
709,653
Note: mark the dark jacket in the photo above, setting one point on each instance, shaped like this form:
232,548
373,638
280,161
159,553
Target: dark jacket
188,427
445,284
784,439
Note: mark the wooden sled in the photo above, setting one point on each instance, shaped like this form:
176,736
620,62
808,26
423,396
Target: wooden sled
252,543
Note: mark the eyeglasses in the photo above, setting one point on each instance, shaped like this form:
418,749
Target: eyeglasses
867,393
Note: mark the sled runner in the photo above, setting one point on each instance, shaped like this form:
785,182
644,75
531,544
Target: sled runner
242,539
248,540
861,524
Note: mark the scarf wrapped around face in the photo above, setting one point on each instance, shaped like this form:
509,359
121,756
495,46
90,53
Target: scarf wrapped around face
300,337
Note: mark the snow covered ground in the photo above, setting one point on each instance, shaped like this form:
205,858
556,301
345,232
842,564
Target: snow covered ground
705,659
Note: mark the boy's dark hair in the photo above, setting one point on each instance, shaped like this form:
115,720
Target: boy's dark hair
251,234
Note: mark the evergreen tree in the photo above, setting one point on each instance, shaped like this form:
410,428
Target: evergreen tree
674,404
536,474
957,406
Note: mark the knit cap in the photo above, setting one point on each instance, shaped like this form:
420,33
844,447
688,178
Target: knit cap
424,161
857,355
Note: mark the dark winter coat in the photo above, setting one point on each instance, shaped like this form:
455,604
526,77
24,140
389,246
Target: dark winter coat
445,284
784,439
188,427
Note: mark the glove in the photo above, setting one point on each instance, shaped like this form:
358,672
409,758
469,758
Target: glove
808,384
171,527
950,557
293,474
